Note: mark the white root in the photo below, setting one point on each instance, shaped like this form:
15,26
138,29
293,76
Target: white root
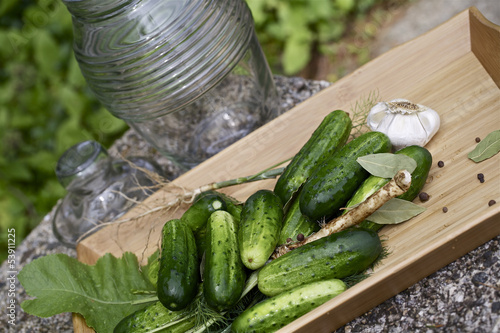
398,185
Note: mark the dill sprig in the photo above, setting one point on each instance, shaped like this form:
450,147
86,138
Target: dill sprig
360,112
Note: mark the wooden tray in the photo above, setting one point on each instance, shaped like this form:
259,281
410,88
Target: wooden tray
454,69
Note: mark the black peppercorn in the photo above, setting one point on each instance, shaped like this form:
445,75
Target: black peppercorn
491,202
478,139
480,176
445,209
440,164
423,196
300,237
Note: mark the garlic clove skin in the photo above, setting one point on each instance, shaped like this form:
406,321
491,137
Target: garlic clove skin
405,123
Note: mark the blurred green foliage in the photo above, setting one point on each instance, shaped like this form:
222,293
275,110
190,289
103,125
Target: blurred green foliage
46,107
291,30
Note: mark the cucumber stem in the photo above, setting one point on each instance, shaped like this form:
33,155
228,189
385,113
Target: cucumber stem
266,174
398,185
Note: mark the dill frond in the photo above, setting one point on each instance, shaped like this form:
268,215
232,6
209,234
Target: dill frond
360,111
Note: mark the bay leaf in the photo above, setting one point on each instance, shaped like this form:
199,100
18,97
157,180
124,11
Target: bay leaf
386,165
395,211
486,148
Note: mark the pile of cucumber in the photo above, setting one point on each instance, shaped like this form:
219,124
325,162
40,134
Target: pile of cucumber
218,242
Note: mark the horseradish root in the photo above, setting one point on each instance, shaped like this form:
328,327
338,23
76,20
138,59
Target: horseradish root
398,185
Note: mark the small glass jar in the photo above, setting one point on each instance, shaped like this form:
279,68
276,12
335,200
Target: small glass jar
100,189
188,75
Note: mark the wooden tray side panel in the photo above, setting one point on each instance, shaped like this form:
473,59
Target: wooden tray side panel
485,38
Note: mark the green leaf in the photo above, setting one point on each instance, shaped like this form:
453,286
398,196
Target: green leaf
487,148
296,54
102,293
386,165
395,211
46,53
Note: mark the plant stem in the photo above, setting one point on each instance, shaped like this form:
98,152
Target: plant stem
267,174
145,300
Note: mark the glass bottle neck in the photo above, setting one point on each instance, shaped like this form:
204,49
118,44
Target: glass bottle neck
81,164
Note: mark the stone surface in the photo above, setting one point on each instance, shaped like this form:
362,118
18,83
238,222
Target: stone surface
423,15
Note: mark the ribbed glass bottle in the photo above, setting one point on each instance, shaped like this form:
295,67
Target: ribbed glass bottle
187,75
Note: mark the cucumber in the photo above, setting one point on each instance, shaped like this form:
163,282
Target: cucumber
419,176
333,182
197,214
331,134
233,206
261,222
155,317
296,223
336,256
276,312
179,272
224,274
424,162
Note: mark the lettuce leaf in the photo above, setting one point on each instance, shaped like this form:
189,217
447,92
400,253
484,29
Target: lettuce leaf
103,293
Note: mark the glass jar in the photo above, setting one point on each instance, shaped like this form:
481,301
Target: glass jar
100,189
188,75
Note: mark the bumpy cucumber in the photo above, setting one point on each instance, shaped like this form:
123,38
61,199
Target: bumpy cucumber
224,274
233,206
261,222
276,312
296,223
197,214
333,182
424,161
336,256
179,272
157,318
331,134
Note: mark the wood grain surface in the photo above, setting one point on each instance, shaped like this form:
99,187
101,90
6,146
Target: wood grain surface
454,69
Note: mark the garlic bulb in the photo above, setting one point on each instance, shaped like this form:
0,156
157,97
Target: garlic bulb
405,123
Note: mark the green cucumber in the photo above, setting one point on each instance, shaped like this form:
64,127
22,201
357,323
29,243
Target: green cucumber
276,312
296,223
196,216
331,134
233,206
333,182
224,275
261,222
336,256
155,317
418,178
179,272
